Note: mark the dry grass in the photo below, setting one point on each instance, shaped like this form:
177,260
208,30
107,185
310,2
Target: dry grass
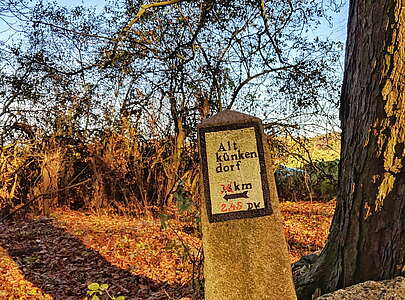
120,171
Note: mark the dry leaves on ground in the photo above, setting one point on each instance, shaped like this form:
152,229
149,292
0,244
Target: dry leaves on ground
57,258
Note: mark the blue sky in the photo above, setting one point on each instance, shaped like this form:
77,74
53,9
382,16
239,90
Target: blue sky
336,32
339,30
72,3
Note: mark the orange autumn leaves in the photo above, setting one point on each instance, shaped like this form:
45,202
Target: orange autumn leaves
133,255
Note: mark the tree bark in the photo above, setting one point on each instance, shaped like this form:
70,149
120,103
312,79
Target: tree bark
367,236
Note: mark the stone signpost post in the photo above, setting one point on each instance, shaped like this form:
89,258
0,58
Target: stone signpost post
245,251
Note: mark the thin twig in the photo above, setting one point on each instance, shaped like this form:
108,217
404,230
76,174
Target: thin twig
40,195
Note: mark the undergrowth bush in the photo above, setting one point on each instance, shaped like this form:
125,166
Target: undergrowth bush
122,170
315,181
118,170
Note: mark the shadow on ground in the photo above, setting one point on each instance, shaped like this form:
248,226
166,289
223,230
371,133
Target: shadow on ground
62,266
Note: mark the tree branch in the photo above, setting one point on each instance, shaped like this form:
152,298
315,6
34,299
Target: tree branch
250,78
141,12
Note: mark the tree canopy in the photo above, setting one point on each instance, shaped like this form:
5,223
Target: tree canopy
167,62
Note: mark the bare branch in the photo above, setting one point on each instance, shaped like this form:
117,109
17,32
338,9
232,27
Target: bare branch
250,78
141,12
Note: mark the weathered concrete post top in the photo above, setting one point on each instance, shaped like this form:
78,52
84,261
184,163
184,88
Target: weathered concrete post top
245,251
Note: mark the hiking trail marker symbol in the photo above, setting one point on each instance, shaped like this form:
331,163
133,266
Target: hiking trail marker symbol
234,172
245,251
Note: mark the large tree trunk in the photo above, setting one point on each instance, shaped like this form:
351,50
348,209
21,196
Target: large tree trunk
367,238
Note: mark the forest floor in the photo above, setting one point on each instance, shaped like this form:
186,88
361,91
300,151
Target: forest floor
57,257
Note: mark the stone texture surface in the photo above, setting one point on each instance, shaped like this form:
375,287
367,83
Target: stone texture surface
246,259
371,290
228,117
